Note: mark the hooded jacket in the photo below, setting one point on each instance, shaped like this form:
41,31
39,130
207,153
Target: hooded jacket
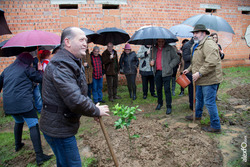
17,83
206,60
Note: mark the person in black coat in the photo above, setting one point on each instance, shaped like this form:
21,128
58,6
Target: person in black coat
17,84
129,64
186,55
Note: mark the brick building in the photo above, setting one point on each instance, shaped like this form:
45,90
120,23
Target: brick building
130,15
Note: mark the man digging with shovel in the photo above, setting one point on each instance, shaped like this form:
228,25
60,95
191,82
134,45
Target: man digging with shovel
65,98
207,74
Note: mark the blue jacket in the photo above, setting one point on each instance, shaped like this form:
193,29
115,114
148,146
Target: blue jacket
17,84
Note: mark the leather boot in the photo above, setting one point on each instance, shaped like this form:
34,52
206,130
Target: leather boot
36,141
18,131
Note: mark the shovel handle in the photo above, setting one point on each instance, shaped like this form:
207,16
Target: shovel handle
108,142
194,101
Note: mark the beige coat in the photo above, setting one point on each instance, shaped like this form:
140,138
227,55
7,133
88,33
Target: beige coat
206,60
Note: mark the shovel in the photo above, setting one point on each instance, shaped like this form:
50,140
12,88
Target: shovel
108,142
193,125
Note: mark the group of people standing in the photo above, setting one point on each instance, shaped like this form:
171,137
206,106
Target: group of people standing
73,72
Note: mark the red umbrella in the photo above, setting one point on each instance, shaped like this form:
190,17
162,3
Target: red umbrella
28,41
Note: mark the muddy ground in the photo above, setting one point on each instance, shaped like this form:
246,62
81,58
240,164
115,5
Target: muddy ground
165,141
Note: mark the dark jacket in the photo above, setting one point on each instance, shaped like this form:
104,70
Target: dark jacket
186,53
17,83
65,96
129,63
111,66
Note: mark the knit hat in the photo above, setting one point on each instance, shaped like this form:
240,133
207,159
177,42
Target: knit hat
127,46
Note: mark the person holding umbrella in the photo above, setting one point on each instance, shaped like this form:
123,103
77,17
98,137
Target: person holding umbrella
110,61
164,59
207,74
129,64
17,82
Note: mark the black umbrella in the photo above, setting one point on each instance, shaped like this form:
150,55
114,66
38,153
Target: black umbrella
4,29
91,35
210,21
148,36
115,35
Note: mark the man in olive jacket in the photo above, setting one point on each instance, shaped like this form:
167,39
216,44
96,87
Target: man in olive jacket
164,59
65,98
110,61
207,74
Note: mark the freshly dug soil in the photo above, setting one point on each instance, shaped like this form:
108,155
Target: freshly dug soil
158,145
241,92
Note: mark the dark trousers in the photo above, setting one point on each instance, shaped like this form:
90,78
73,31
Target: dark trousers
190,91
160,82
131,83
112,83
145,80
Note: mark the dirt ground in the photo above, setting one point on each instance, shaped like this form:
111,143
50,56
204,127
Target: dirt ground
165,141
172,141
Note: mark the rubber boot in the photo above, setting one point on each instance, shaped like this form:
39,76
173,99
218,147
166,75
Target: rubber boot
18,131
36,140
134,93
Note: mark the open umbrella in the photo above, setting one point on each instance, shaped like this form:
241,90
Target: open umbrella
247,36
148,36
211,22
115,35
91,35
4,29
29,41
2,43
182,31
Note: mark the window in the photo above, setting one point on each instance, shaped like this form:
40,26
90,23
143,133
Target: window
210,8
244,9
68,6
68,2
111,2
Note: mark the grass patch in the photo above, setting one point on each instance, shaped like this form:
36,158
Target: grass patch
87,162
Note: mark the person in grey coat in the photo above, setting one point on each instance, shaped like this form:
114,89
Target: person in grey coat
146,71
17,84
164,59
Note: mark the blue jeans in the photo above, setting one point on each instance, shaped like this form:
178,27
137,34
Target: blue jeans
65,150
97,90
20,118
207,95
90,89
37,98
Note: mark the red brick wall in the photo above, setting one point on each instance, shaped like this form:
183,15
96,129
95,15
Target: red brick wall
22,15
